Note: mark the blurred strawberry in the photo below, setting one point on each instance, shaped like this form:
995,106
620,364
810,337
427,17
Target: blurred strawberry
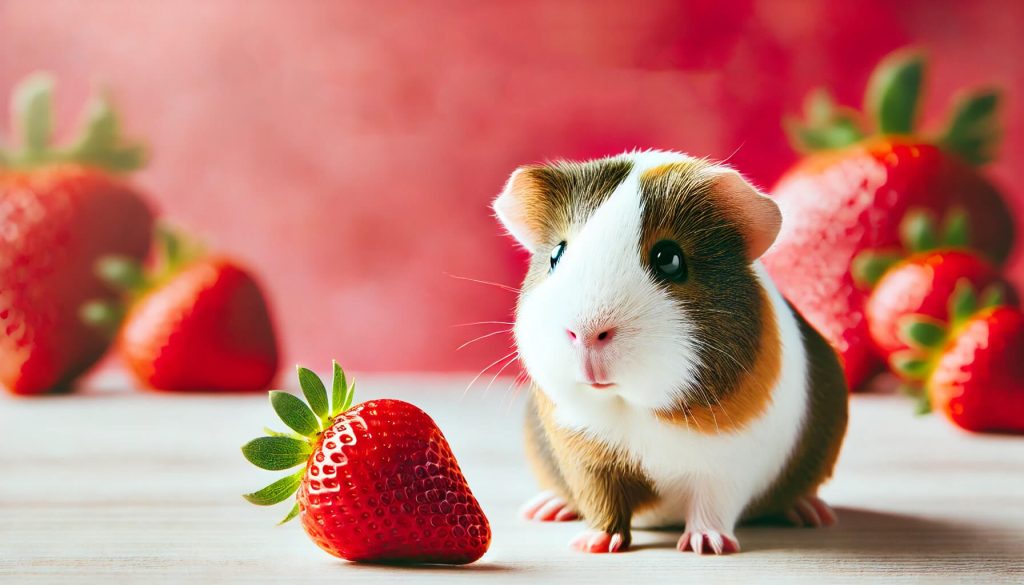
378,481
193,323
851,192
61,208
920,278
970,367
978,380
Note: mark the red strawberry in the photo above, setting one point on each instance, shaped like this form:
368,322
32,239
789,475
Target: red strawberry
853,194
978,380
61,208
922,285
920,279
192,324
379,482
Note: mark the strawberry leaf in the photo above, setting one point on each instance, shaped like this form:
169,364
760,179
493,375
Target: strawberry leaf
917,231
963,302
869,266
291,514
339,389
894,92
314,391
277,453
973,131
921,332
993,296
104,316
100,143
121,273
32,108
349,394
278,491
294,413
955,230
922,404
825,125
909,365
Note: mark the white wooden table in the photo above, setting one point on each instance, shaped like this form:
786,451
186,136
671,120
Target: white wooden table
117,485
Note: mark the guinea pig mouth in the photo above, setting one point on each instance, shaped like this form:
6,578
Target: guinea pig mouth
601,385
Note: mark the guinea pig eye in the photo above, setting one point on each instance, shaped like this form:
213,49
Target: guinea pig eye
556,254
668,262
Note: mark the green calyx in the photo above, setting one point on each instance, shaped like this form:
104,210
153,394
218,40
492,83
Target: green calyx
131,279
892,105
98,142
926,337
920,232
307,420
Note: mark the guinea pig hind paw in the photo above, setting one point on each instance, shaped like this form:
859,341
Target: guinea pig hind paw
812,512
594,541
708,541
548,507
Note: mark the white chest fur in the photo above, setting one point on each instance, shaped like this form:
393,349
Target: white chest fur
707,473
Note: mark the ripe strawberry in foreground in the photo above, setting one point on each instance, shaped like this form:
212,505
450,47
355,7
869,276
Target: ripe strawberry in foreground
971,368
920,280
378,481
852,190
61,208
194,323
978,381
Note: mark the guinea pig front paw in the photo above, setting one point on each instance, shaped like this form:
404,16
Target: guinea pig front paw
595,541
548,507
812,512
707,542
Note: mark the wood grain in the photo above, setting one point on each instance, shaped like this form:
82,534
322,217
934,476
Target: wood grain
117,485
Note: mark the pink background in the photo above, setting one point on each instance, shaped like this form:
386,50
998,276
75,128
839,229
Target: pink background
347,151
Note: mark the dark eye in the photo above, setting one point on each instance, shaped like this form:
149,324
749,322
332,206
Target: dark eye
668,262
556,254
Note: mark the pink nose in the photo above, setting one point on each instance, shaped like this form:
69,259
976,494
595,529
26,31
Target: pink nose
592,339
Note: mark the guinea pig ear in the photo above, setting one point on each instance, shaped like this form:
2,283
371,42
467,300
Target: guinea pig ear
513,208
758,216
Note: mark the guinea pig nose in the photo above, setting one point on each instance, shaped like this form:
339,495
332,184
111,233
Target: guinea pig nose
604,336
593,338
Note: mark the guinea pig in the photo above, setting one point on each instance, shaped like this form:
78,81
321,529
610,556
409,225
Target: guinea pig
671,383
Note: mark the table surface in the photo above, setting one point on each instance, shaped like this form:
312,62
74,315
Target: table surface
121,485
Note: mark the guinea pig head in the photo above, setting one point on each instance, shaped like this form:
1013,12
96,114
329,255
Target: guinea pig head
641,286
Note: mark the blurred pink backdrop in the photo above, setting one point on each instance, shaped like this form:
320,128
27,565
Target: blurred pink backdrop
347,151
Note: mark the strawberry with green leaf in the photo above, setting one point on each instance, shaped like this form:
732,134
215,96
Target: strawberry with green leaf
860,176
970,368
191,322
917,281
62,207
377,482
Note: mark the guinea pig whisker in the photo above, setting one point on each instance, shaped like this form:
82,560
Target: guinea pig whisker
484,336
514,352
487,282
500,370
728,158
484,323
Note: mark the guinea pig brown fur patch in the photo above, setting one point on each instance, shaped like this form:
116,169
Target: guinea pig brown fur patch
736,336
559,198
605,485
